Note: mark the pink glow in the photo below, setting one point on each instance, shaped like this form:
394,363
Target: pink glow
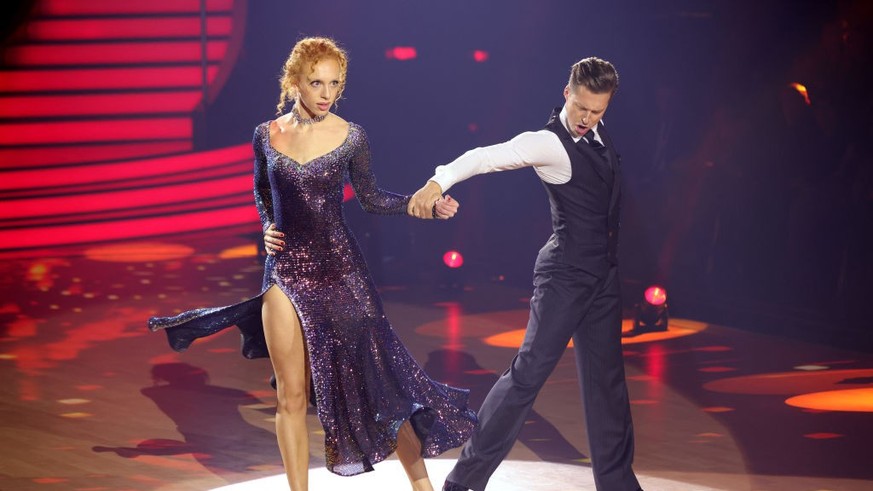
401,53
98,104
104,78
153,27
104,7
107,53
453,259
348,192
656,295
131,169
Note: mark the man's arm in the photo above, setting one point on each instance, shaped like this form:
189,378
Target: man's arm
540,149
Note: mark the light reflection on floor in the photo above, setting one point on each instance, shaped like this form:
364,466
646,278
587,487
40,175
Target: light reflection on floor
133,252
676,329
512,475
858,400
89,387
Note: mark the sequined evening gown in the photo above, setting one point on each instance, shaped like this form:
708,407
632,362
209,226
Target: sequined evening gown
365,382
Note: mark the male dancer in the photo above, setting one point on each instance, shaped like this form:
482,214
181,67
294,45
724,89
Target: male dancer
576,287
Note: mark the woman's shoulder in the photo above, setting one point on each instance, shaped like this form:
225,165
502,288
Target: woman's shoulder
264,127
340,124
354,129
260,132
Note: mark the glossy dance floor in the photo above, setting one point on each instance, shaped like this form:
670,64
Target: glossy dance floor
512,475
92,401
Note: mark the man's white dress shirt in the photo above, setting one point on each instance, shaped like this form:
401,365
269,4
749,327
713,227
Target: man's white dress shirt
541,150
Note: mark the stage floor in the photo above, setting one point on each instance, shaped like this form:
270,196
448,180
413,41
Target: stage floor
92,401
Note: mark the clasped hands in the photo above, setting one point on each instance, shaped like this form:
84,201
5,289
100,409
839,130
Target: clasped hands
428,203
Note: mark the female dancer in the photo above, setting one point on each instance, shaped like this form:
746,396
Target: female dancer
319,317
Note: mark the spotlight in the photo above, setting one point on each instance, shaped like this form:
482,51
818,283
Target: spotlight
651,315
453,259
801,89
401,53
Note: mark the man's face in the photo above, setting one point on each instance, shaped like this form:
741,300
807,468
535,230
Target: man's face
584,109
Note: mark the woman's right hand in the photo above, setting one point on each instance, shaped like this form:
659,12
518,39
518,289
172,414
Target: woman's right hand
273,242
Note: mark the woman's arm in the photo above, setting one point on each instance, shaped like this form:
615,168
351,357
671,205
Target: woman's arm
263,194
264,198
372,198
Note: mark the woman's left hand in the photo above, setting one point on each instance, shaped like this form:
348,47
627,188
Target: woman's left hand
446,207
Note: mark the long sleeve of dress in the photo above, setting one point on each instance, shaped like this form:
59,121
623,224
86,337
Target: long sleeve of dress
372,198
263,194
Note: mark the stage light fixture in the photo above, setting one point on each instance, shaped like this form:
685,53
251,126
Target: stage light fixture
651,315
453,259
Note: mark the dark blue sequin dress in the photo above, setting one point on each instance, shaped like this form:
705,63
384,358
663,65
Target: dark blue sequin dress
365,382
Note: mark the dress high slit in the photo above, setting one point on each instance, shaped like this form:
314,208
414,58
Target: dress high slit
365,383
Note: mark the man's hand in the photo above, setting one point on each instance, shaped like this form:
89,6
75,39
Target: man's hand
422,202
446,208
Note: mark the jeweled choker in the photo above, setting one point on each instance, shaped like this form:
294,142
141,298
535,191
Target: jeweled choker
301,120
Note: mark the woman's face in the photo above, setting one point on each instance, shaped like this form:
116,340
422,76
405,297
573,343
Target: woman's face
318,88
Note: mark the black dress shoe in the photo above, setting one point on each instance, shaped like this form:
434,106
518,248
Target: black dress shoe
453,486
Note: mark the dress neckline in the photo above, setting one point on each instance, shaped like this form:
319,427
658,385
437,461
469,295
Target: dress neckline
292,159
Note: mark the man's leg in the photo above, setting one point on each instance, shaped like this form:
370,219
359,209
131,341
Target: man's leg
560,299
600,363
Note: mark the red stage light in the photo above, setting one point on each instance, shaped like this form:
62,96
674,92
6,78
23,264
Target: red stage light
133,228
656,295
93,79
119,28
36,106
105,53
236,160
81,154
480,56
123,129
348,192
453,259
105,7
401,53
83,203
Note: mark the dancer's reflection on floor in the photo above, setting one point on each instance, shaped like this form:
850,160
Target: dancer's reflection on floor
208,417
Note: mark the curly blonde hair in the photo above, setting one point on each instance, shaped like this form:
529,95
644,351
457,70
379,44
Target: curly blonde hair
306,53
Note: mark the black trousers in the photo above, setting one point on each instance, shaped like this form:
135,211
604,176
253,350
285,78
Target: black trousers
567,303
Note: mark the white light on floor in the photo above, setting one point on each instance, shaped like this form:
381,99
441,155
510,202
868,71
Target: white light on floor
510,476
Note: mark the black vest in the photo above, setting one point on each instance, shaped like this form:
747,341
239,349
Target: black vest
585,210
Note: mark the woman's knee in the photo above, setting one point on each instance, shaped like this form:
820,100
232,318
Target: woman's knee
291,394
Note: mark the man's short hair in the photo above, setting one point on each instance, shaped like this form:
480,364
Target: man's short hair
596,75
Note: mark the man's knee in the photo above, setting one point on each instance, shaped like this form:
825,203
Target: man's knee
529,372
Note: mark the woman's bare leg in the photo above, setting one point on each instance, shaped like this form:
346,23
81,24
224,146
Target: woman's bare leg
284,337
409,453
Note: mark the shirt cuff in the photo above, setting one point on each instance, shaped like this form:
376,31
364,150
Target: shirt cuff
443,178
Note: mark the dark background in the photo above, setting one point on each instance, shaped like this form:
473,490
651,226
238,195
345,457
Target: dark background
752,207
